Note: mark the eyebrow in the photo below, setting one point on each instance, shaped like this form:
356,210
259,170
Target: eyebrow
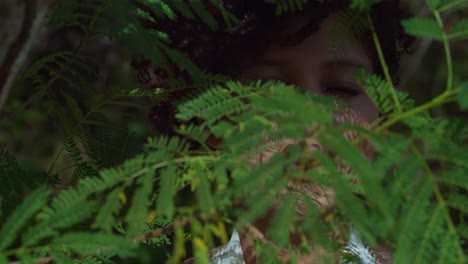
269,62
345,63
339,63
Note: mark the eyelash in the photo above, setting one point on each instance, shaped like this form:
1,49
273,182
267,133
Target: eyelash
342,90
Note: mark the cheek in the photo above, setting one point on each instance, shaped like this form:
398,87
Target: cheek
365,108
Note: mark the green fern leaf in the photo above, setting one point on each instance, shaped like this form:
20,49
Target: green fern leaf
3,259
370,176
314,226
430,239
57,220
262,185
455,176
16,221
283,221
75,108
159,8
452,5
413,222
447,251
203,14
421,27
167,190
89,243
459,30
83,170
462,97
61,257
90,260
215,103
379,91
182,8
433,4
459,202
70,13
287,6
71,148
26,258
137,214
348,203
203,194
363,5
105,216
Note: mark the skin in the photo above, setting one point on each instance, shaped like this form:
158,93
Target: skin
313,66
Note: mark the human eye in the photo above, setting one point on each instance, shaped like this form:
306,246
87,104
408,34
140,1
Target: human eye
343,90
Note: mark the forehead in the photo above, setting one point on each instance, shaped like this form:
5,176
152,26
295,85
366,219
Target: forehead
330,40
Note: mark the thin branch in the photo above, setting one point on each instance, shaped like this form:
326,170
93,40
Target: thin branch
163,230
20,48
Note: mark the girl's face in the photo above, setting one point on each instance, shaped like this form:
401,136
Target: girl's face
324,62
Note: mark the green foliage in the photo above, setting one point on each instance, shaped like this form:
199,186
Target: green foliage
410,197
363,5
379,91
287,6
423,28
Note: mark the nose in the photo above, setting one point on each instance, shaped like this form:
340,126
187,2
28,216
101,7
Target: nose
307,81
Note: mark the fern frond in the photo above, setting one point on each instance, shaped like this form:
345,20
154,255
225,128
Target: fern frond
182,8
348,203
138,211
86,243
64,65
284,221
160,9
458,201
412,222
105,217
379,91
58,219
193,132
215,103
72,13
90,148
167,189
452,5
362,5
199,8
3,259
422,27
262,185
203,194
21,215
454,176
83,170
71,147
173,146
431,236
459,30
287,6
74,107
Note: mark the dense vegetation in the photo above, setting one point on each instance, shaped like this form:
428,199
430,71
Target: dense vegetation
176,197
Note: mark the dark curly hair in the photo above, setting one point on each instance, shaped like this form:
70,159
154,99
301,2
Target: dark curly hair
219,51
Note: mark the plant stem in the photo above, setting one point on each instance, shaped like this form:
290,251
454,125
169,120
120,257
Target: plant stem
55,161
166,163
451,5
383,64
448,55
445,97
